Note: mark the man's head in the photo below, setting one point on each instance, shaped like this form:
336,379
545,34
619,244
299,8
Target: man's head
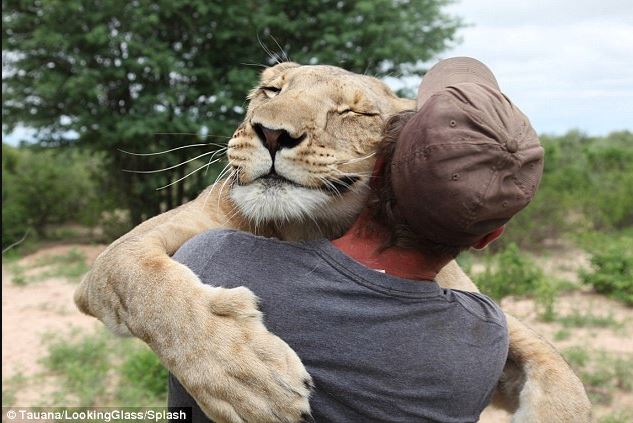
461,166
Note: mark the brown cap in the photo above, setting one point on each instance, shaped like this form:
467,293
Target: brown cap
468,160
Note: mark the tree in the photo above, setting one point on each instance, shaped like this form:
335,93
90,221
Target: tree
111,74
42,187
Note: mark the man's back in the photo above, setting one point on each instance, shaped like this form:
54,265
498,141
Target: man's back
379,348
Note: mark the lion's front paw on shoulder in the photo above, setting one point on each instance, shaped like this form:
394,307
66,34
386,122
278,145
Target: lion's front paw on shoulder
253,374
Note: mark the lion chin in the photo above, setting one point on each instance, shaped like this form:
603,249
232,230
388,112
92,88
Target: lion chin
262,202
273,201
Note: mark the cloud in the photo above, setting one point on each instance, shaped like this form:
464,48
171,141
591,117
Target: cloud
566,64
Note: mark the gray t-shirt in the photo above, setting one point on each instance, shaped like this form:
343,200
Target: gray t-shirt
379,348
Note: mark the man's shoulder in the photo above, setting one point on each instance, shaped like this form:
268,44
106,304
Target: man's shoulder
209,238
480,306
210,242
234,242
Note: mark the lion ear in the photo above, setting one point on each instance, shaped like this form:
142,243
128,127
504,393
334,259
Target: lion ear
402,104
273,71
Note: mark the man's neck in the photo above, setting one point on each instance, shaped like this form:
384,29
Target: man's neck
365,245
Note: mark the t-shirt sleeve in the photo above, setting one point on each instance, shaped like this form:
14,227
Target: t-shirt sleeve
197,252
481,306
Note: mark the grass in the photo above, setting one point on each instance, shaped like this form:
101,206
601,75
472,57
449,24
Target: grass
101,370
82,363
562,335
71,266
625,416
611,271
10,388
511,272
602,373
576,357
143,378
578,319
18,276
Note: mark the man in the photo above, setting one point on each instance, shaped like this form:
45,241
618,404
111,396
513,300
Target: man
382,341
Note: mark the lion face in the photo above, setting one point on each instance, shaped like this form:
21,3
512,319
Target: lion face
305,150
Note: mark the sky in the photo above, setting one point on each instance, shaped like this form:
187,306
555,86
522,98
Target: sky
567,64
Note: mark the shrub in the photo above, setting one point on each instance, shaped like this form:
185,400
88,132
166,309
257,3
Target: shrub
511,273
609,164
71,265
97,369
587,184
587,319
612,266
14,226
143,371
602,373
42,187
82,363
114,224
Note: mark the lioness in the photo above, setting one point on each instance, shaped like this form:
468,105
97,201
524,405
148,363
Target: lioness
327,123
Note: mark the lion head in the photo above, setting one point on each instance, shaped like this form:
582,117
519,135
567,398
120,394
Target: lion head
304,153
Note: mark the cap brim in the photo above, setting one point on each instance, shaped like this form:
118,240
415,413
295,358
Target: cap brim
454,71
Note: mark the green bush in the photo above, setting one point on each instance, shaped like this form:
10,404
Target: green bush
612,266
82,364
45,186
511,273
114,224
603,373
14,226
143,371
587,184
97,369
71,265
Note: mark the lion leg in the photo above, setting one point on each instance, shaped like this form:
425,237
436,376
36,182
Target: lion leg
537,385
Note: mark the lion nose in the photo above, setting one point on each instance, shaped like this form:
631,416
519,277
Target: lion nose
276,139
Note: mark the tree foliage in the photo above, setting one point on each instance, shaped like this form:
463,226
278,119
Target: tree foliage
111,74
587,185
43,187
611,265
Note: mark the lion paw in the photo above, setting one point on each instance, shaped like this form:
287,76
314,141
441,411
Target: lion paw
240,371
237,302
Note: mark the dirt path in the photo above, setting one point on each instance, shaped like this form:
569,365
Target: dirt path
31,311
614,339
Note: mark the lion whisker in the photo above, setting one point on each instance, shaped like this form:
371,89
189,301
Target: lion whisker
223,185
315,223
211,158
193,134
342,173
283,52
270,54
234,212
254,64
356,160
213,153
333,188
222,173
172,149
185,177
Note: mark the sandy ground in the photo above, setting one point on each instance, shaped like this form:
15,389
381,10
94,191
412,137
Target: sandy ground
30,312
